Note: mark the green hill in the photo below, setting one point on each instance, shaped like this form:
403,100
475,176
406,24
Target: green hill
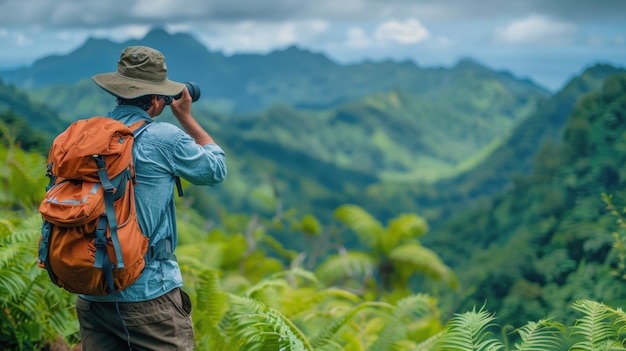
530,251
32,125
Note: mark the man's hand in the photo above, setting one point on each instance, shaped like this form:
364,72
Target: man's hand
181,109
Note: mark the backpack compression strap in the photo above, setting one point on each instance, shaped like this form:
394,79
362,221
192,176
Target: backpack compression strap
109,210
108,205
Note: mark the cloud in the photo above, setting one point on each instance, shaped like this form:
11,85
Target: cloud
123,33
408,32
357,38
253,36
535,29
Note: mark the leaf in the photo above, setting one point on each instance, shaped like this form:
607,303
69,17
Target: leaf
347,265
402,228
543,335
595,329
419,259
368,229
469,332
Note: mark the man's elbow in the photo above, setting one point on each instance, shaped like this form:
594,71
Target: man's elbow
219,176
219,172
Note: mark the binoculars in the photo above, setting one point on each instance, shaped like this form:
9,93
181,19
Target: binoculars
194,91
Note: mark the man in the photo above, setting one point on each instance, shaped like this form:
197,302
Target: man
155,312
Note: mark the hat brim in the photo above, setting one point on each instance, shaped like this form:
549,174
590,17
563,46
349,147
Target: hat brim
129,88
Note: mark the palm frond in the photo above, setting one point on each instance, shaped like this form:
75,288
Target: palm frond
368,229
425,261
404,227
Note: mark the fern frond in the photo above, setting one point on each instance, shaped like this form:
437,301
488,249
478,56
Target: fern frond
26,176
393,332
290,275
469,332
306,303
346,265
595,329
540,336
620,320
210,300
326,335
274,284
263,328
429,344
417,305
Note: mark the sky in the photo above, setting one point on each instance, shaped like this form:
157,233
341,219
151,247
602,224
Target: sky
548,41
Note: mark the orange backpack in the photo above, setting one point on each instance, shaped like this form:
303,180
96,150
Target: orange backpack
90,241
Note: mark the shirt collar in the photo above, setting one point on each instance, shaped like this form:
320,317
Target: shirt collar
129,114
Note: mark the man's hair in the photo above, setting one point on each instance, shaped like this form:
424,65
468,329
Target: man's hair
144,102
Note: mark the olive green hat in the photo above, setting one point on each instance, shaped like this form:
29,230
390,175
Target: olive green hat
141,70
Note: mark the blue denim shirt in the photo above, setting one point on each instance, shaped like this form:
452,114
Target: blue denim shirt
162,152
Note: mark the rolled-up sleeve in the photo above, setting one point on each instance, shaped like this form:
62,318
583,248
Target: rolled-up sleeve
200,165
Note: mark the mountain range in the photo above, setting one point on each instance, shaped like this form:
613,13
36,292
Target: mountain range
253,82
389,135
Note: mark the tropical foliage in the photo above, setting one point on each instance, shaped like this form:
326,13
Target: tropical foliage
249,296
550,239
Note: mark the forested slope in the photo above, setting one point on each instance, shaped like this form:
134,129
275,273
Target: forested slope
545,242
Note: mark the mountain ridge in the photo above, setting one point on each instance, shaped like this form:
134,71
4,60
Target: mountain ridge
250,82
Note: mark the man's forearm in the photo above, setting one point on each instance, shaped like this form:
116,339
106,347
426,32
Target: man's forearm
195,130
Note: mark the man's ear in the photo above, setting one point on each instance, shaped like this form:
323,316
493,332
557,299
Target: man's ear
154,108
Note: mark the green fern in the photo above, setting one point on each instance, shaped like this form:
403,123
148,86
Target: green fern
262,328
326,335
429,344
596,329
227,322
347,265
469,332
543,335
33,309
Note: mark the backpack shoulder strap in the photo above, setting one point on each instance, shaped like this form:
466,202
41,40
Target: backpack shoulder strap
138,128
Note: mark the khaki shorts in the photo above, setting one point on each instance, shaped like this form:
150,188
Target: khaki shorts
163,323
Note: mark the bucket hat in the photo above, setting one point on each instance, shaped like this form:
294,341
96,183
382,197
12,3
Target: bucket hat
141,70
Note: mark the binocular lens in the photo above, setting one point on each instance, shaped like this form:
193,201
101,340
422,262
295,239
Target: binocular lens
194,91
